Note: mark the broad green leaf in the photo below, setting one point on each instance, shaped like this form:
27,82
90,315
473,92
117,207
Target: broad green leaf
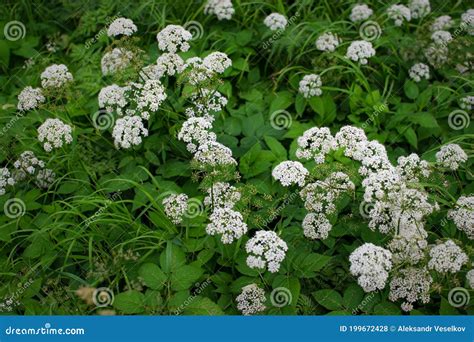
152,275
130,302
330,299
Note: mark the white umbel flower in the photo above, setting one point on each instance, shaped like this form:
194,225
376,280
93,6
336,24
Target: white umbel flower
463,215
217,62
228,223
113,98
121,26
310,86
5,179
174,38
290,172
412,168
470,278
441,37
266,250
128,131
27,164
213,153
444,22
116,60
175,206
436,54
360,13
447,257
451,156
419,8
222,9
349,138
195,132
371,265
399,14
316,226
169,64
148,97
467,20
419,71
45,178
55,76
251,300
315,143
30,98
327,42
360,51
54,133
222,195
411,284
467,102
275,21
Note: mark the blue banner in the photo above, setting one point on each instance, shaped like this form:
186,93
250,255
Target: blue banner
234,328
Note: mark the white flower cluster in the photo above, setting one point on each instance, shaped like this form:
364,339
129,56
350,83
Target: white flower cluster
121,26
174,38
399,14
54,133
195,132
315,143
436,54
411,284
222,195
451,156
360,51
290,172
310,86
444,22
470,278
222,9
327,42
320,200
371,265
169,64
206,102
113,98
412,168
213,153
275,21
116,60
128,131
251,300
266,250
28,165
175,206
467,102
407,250
360,13
463,215
419,8
373,157
217,62
55,76
30,98
5,179
349,138
147,97
467,19
228,223
419,71
447,257
441,37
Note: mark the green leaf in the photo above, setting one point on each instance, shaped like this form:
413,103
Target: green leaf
330,299
172,258
411,89
387,308
130,302
281,285
276,147
202,306
184,277
426,120
282,100
152,275
410,135
353,296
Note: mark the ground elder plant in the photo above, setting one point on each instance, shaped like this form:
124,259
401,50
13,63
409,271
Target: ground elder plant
237,158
